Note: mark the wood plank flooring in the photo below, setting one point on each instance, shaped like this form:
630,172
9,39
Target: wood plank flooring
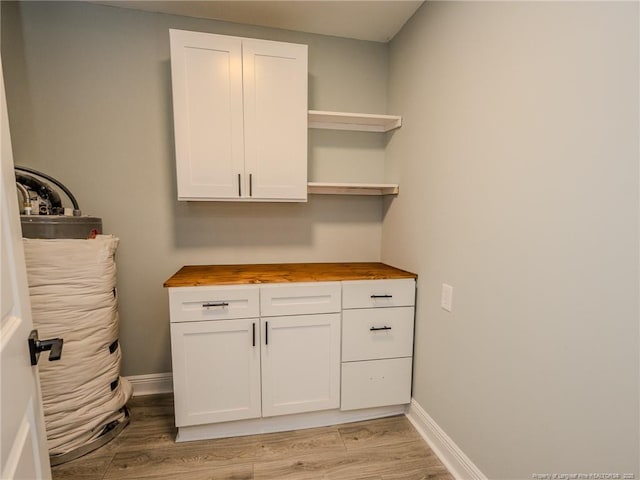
383,449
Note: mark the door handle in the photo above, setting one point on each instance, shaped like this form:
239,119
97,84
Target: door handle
375,329
53,345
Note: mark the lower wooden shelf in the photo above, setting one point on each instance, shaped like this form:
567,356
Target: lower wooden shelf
364,122
321,188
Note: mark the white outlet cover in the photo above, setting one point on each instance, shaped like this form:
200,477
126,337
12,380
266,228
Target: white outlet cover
446,297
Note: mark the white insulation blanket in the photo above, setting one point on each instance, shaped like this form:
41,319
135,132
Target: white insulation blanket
72,285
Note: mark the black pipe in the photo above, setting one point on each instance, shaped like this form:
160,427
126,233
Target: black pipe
76,207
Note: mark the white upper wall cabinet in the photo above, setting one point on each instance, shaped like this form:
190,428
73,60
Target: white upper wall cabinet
240,118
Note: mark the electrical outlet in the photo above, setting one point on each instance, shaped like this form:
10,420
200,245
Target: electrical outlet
446,297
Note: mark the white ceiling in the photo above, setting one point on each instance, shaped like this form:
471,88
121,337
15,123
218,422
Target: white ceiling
378,21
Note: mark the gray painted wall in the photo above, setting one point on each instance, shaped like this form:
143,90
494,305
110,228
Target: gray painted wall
89,101
518,166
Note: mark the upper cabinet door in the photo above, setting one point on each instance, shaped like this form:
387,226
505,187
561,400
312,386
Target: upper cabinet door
275,119
240,117
206,72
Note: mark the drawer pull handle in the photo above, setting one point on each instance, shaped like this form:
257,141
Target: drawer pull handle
375,329
381,296
215,304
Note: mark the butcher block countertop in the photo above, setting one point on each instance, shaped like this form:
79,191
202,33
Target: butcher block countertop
203,275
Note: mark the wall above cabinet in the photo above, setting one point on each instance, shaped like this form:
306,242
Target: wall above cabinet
363,122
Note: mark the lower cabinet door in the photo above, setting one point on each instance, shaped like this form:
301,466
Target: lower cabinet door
300,363
216,370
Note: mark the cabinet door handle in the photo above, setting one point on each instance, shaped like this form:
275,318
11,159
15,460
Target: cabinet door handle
251,185
215,304
375,329
254,333
266,333
381,296
239,186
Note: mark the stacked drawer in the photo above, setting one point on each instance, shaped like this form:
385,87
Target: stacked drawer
377,342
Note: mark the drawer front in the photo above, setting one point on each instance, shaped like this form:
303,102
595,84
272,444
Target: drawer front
192,304
378,293
377,333
376,383
300,298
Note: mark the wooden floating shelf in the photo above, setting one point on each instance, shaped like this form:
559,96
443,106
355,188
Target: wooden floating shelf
363,122
352,188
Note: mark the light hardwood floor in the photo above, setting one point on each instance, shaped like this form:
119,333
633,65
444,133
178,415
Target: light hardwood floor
383,449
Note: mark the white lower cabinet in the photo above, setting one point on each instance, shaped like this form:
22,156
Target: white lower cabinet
242,368
258,356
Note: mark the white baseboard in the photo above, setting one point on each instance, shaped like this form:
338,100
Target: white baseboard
151,383
458,464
